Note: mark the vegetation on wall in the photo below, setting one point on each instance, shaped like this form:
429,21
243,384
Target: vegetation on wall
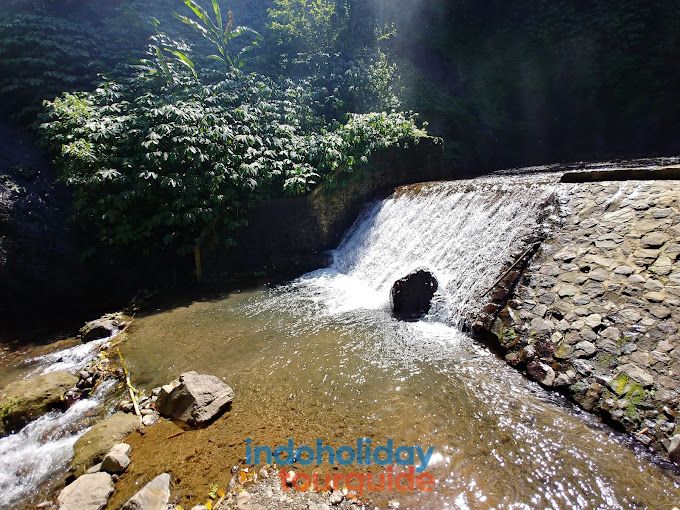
320,85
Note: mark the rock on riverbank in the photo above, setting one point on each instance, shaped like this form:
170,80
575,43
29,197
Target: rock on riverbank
98,441
102,328
89,492
28,399
194,399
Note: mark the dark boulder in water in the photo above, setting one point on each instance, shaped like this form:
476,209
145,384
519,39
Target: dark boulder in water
412,295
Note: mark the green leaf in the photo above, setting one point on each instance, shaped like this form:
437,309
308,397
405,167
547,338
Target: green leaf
195,25
186,61
161,60
200,13
218,15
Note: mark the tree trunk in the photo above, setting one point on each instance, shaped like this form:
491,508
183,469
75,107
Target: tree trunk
197,260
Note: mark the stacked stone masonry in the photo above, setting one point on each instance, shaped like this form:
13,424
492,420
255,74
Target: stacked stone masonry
596,313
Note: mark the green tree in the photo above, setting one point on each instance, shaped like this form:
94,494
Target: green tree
305,26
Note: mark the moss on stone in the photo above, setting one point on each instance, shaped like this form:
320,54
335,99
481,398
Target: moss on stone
635,396
605,359
578,387
563,351
620,383
509,338
7,409
28,399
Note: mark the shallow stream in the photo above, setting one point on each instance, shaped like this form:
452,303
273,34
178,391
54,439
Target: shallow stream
322,358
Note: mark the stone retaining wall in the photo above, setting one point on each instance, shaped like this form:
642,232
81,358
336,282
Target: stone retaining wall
596,312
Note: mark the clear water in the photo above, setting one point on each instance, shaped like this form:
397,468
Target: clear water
322,358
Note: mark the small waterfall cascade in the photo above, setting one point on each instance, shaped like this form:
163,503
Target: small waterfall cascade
67,360
31,456
44,447
462,231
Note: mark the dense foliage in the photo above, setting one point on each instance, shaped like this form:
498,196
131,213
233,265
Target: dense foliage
171,156
503,82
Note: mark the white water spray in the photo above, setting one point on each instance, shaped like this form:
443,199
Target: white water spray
43,447
461,231
68,360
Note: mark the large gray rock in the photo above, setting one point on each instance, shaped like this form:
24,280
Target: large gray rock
28,399
89,492
195,399
411,296
93,446
101,328
154,496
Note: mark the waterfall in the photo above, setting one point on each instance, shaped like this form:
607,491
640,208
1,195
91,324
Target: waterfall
461,231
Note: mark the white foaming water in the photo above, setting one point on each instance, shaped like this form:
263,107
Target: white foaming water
68,360
461,231
43,447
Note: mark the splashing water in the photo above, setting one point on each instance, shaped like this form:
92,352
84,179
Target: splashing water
68,360
462,232
43,447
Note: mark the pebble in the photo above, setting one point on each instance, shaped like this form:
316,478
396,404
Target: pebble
654,240
655,297
243,500
115,463
149,419
659,311
624,270
95,469
584,349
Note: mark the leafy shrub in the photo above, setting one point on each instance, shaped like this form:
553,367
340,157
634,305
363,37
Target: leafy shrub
311,40
350,146
157,164
170,158
301,27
